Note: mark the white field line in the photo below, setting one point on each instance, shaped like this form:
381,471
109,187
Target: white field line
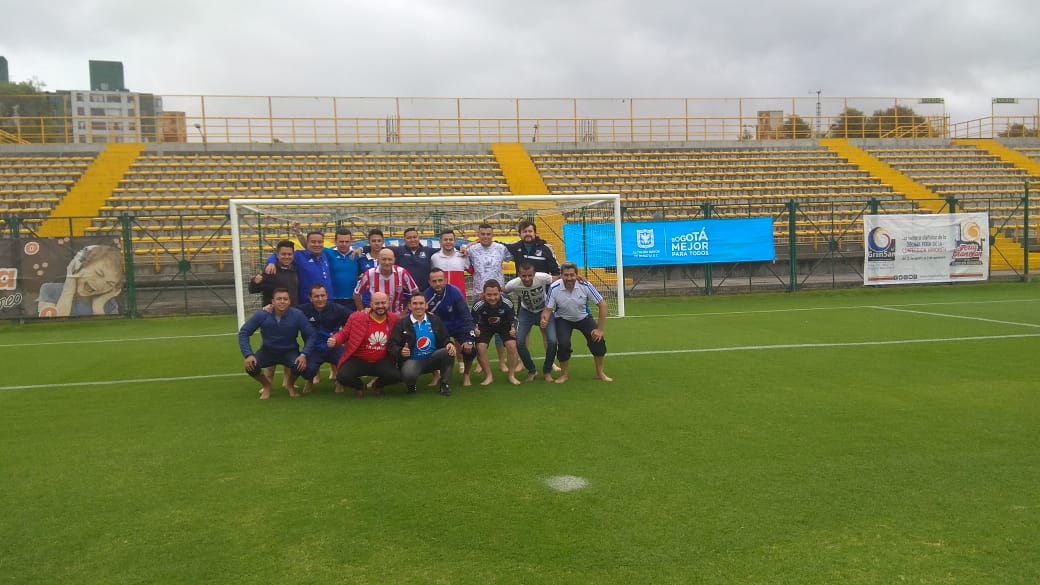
122,340
948,316
664,316
782,346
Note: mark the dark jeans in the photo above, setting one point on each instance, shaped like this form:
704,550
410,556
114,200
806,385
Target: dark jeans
439,361
529,320
564,328
351,371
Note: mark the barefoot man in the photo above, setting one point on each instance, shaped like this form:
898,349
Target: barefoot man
279,330
568,300
492,315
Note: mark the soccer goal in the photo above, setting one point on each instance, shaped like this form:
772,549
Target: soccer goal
258,224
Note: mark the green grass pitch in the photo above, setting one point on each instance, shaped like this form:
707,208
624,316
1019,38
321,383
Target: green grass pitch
859,436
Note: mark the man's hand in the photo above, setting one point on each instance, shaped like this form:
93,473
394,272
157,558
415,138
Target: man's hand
451,349
270,269
301,363
258,278
250,362
596,334
331,342
295,226
476,331
268,308
405,351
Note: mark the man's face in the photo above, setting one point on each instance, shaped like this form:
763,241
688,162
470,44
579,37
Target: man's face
492,295
484,236
343,243
411,239
438,281
280,301
527,276
448,242
375,243
380,303
417,306
319,298
569,276
315,244
285,257
386,260
527,235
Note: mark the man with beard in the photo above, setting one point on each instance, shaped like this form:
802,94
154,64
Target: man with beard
365,340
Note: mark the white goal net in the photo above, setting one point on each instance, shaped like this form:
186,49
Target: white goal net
258,224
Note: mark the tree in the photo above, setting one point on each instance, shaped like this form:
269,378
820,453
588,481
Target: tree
29,113
898,122
795,127
1018,130
850,124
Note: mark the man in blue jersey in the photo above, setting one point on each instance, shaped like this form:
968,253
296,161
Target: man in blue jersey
326,318
449,303
312,266
279,330
343,266
420,343
414,257
568,300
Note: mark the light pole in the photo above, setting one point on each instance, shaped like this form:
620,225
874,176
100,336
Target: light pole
198,127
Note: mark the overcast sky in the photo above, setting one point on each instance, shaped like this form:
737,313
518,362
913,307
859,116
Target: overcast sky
964,51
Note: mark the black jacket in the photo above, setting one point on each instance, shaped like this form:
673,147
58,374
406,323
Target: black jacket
541,256
404,332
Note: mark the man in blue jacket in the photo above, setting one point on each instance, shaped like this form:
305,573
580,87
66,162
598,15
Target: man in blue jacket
279,331
449,303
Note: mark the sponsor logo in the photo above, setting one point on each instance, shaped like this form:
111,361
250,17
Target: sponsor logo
8,278
880,246
494,320
645,238
692,244
11,301
377,339
423,343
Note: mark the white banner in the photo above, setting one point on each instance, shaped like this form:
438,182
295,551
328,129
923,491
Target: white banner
904,249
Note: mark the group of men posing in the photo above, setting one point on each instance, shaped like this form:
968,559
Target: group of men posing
396,313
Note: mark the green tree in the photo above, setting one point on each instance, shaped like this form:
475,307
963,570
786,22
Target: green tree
898,122
1018,130
850,124
31,114
795,127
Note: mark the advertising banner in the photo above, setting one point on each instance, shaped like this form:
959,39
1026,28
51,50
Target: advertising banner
45,277
706,241
902,249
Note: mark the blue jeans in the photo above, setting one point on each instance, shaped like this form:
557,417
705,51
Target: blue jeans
527,320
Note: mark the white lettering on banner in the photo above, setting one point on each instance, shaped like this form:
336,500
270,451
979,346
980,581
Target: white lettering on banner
692,244
10,301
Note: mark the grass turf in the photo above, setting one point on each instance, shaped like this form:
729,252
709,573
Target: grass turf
737,461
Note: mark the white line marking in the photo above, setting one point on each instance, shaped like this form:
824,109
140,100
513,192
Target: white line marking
130,339
617,354
841,308
947,315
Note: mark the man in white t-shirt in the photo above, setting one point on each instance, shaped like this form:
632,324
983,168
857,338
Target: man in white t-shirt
531,290
486,258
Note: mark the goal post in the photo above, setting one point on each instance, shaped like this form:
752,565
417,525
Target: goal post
257,224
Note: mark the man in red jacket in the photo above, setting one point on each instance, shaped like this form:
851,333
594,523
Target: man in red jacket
364,339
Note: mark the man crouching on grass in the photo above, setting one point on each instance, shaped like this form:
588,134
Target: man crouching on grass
279,330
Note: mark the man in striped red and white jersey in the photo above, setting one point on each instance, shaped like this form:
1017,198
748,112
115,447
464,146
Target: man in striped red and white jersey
387,278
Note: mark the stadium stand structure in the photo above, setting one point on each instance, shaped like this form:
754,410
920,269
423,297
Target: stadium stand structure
177,196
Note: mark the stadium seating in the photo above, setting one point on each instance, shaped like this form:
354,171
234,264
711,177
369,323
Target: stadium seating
32,185
737,182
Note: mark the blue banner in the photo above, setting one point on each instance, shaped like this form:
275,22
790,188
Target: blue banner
706,241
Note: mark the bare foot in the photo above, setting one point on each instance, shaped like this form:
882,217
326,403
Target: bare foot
530,378
294,394
339,388
561,379
308,387
486,381
465,380
514,381
436,379
520,368
548,378
477,369
556,368
605,378
504,368
265,393
317,379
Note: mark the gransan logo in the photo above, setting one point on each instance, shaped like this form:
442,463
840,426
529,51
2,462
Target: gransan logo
880,245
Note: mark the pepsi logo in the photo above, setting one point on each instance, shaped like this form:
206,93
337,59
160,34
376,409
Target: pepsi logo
493,320
423,343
